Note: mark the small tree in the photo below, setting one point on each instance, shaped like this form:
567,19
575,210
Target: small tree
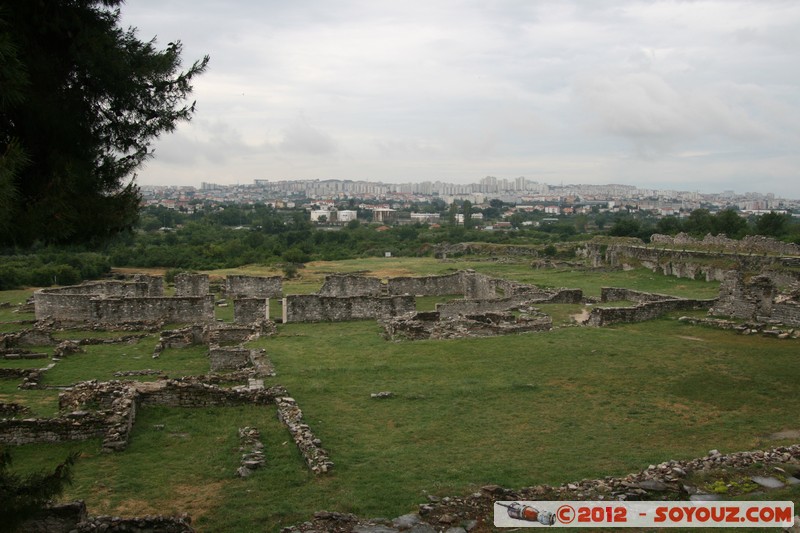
22,498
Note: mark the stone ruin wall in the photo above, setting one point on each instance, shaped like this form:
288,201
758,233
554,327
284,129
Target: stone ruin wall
427,285
648,306
223,359
757,300
787,312
750,244
72,303
175,393
443,250
454,308
719,256
478,286
79,425
114,302
253,287
314,308
191,284
646,310
250,310
617,294
432,325
155,284
181,310
343,285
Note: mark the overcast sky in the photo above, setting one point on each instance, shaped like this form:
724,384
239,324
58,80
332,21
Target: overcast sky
689,95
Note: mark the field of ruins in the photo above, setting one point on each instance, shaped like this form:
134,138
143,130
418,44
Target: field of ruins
380,387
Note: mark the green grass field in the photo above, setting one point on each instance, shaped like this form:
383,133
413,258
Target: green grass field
517,410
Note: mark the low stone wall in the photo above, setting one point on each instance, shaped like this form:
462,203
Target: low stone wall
80,425
474,307
253,287
430,325
314,308
26,337
561,296
344,285
310,447
250,310
222,359
604,316
191,284
13,410
427,285
227,335
175,393
617,294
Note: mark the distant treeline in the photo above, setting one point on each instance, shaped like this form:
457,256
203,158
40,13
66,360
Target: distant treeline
51,267
239,236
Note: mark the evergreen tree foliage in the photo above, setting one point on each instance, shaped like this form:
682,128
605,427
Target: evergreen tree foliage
21,497
81,102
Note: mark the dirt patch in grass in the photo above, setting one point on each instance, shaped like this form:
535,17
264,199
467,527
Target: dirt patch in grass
582,316
196,500
688,338
785,434
391,273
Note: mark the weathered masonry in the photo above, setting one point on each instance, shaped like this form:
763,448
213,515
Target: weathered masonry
648,306
112,302
253,287
757,299
315,308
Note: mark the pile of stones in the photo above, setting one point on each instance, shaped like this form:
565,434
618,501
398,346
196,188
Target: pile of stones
254,457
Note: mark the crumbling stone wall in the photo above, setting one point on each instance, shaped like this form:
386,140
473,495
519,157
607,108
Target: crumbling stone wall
80,425
115,302
604,316
227,335
253,287
228,358
618,294
155,284
751,244
177,393
187,284
343,285
709,258
427,285
478,286
315,456
314,308
431,325
474,307
250,310
756,299
181,310
73,303
26,337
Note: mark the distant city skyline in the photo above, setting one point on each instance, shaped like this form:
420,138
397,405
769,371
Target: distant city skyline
699,96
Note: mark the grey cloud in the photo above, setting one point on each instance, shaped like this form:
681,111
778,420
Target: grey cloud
658,116
301,137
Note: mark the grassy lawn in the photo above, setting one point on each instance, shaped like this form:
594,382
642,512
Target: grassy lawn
517,410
